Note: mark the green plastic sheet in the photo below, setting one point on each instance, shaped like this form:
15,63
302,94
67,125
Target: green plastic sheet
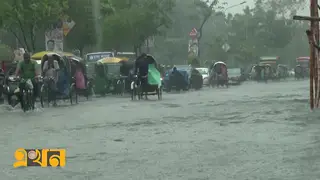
154,77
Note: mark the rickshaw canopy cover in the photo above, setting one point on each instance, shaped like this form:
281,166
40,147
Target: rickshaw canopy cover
39,55
154,77
110,60
219,62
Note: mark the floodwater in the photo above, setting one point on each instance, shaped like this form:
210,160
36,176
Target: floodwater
254,131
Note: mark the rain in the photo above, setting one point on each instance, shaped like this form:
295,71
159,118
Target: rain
227,84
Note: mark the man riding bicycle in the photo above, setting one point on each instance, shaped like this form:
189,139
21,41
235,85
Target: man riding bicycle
27,71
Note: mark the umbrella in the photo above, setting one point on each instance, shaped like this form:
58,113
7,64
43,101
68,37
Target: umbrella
111,60
39,55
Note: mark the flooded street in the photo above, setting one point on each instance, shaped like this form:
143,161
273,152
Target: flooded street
254,131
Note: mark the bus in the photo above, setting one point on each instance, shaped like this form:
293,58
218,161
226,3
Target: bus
95,56
131,56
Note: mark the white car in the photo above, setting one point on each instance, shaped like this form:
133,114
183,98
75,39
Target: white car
205,75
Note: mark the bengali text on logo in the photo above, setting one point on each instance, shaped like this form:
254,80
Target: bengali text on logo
39,157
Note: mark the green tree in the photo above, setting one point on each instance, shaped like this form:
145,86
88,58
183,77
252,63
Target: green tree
83,34
206,11
136,21
24,18
259,32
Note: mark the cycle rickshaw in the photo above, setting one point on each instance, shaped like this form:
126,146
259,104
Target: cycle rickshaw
61,88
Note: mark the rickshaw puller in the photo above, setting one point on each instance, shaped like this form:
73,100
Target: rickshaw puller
27,70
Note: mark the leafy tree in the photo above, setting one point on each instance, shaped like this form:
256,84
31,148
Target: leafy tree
83,34
136,21
6,53
24,18
206,10
255,32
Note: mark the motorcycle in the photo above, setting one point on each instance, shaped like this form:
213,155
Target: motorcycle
11,90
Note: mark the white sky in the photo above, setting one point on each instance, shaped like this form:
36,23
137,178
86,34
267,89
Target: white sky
238,9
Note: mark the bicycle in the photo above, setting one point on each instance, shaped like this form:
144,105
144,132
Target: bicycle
26,94
121,84
135,88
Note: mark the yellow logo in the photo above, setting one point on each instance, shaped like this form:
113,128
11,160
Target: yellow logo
40,157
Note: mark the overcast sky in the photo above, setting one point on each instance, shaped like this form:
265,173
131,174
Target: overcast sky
250,3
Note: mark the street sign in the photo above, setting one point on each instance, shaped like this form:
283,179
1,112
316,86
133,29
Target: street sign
193,32
226,47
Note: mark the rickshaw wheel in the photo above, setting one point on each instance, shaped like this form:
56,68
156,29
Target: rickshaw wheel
159,93
139,92
44,93
133,94
25,107
31,100
74,93
27,100
89,90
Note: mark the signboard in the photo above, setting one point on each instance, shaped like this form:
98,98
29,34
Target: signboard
226,47
193,49
68,24
193,33
54,40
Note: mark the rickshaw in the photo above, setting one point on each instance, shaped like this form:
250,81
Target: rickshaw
260,73
302,68
37,57
82,83
126,74
64,88
269,72
196,80
282,71
219,74
147,79
299,72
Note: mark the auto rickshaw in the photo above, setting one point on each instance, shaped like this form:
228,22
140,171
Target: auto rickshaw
63,88
100,82
117,80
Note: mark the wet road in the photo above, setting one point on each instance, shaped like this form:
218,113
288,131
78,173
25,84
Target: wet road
254,131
